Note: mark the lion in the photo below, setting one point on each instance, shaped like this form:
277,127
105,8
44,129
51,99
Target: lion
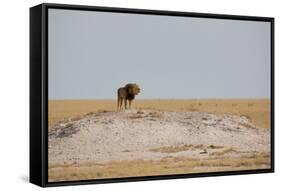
128,92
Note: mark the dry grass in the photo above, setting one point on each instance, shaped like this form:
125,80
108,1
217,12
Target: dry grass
149,168
155,114
174,149
223,152
179,148
215,147
135,117
258,110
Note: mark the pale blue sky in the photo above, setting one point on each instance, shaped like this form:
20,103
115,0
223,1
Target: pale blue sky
91,54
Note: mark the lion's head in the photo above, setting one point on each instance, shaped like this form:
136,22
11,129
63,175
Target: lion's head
133,89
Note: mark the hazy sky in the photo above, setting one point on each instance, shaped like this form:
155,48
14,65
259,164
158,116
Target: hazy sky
91,54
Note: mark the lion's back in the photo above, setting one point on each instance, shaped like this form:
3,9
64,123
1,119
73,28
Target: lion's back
122,92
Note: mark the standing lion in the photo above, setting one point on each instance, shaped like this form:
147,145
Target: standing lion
125,93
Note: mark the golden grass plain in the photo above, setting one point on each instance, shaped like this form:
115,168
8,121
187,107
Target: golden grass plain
135,168
257,110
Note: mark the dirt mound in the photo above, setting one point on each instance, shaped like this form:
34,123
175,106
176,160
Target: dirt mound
153,135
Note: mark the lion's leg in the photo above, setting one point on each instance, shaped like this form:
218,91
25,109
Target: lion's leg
121,103
118,103
130,102
125,103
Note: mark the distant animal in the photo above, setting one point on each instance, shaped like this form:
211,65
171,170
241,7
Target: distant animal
128,92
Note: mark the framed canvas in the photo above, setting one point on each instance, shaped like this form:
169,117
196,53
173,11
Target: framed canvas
128,94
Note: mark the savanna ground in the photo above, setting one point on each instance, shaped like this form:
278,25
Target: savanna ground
220,158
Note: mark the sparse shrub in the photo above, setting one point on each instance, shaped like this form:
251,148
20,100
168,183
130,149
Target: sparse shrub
73,174
246,116
135,117
200,146
69,125
247,125
193,109
140,112
103,111
99,174
215,147
155,114
76,118
90,113
225,151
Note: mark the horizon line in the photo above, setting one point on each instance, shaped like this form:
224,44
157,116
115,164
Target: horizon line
143,99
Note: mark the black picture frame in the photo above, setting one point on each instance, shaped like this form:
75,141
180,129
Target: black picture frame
39,92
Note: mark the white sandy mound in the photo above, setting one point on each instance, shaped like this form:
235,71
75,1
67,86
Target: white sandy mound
151,135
